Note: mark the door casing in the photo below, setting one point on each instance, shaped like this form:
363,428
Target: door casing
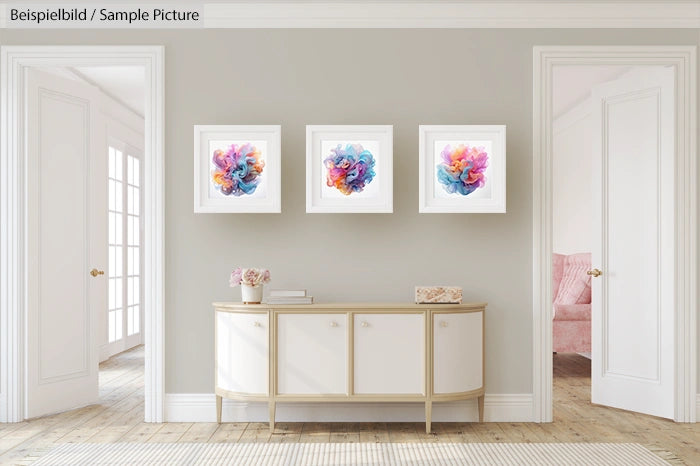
14,60
683,59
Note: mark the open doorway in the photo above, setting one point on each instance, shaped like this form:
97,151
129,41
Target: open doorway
109,173
642,228
85,140
572,229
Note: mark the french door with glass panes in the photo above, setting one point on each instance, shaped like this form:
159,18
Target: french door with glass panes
124,309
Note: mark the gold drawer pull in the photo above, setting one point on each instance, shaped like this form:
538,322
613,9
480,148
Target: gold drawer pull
334,324
443,323
365,324
256,324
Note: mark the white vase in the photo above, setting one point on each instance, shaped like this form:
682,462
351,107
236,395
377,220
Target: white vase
251,294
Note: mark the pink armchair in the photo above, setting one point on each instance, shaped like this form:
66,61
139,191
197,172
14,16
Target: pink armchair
571,290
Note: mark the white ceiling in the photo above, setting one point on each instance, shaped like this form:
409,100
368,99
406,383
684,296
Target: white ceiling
124,83
572,84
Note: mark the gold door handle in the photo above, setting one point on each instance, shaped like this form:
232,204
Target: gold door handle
95,272
595,273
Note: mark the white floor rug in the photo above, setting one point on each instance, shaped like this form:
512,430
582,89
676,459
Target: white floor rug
269,454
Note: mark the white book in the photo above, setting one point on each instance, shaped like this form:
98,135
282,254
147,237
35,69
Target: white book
288,293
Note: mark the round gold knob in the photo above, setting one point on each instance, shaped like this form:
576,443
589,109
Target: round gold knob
594,273
443,324
334,324
365,324
95,272
256,324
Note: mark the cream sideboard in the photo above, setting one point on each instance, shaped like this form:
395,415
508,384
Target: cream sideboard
349,352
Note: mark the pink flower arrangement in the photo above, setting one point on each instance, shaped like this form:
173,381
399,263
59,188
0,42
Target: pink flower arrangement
249,276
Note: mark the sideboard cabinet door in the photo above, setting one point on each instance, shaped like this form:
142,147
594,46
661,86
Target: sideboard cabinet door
457,352
242,352
311,354
389,352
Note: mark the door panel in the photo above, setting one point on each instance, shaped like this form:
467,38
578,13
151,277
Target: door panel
633,304
457,352
389,353
64,226
312,354
242,352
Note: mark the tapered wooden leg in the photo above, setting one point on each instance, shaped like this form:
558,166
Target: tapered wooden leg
271,405
481,408
218,409
428,415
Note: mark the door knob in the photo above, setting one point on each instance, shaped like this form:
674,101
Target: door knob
594,273
95,272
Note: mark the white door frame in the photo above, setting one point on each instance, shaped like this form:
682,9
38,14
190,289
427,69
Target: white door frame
683,58
14,60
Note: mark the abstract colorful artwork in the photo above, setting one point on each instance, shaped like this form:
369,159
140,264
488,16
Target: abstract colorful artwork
237,169
462,168
349,169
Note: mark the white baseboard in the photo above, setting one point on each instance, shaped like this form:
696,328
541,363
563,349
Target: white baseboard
201,407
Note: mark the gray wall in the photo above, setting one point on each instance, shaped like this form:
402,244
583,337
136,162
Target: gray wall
399,77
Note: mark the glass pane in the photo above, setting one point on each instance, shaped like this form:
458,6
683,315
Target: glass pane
117,293
135,259
111,326
137,179
111,294
135,239
118,229
118,262
137,319
119,321
130,199
118,172
137,285
112,266
111,162
130,169
111,228
110,189
129,321
130,291
118,196
137,201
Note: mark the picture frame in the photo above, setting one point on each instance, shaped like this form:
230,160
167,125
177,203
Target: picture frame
462,169
245,176
349,169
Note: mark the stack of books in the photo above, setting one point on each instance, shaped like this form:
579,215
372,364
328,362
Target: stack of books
289,297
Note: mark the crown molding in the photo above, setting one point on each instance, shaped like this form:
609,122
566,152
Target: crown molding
462,14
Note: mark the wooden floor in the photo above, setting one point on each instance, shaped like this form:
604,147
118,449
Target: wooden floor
118,418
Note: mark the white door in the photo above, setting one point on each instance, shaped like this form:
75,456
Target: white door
67,226
312,354
633,243
389,353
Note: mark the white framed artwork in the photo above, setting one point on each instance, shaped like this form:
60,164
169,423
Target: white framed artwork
349,169
462,168
237,169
